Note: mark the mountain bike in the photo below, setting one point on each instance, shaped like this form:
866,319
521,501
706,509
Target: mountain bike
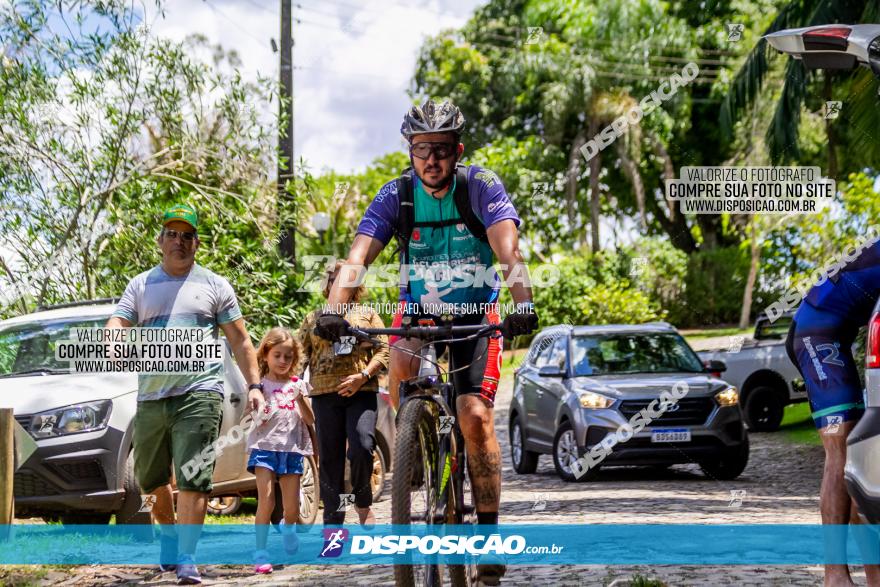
430,484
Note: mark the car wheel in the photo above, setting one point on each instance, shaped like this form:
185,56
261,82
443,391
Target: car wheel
764,409
524,461
565,453
139,523
224,505
377,477
308,491
729,464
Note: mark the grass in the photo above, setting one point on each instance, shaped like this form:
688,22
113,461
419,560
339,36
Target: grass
701,333
797,425
511,360
22,575
244,515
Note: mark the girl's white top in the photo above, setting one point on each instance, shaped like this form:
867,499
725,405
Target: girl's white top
279,427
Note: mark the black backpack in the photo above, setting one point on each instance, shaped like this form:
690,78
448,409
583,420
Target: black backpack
406,213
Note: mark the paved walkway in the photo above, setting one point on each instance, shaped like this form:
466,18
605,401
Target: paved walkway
781,485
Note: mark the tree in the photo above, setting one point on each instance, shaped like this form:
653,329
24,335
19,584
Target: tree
590,63
854,129
103,126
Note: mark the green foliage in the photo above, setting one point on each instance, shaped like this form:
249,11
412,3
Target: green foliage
713,287
146,123
530,101
594,290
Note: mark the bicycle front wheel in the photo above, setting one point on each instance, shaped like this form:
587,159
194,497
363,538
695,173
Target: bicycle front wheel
414,482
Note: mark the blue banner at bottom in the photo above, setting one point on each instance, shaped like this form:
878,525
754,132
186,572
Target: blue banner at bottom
516,544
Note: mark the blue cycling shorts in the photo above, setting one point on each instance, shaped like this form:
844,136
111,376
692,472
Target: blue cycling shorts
820,345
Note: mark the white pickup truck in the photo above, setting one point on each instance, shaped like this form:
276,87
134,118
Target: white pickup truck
760,368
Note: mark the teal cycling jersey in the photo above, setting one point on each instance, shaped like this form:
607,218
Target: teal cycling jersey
449,268
448,264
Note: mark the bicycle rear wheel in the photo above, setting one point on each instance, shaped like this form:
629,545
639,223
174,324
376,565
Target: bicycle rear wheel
414,483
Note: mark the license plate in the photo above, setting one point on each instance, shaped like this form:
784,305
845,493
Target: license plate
671,435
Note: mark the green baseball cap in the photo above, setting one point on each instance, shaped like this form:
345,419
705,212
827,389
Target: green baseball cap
181,212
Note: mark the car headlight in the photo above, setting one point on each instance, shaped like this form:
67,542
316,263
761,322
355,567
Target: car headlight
86,417
728,397
594,401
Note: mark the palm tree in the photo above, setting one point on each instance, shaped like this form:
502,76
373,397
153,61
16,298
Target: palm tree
782,133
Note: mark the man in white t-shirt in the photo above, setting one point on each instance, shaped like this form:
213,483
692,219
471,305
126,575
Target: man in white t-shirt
178,415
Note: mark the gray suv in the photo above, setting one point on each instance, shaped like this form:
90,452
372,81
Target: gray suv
578,385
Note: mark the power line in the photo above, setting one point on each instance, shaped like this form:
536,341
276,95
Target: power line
234,23
340,29
659,78
262,7
519,41
310,9
660,58
337,71
642,67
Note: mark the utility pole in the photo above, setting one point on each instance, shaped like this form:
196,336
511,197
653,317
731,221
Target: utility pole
286,243
7,470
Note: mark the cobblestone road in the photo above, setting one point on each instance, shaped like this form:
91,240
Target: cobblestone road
781,485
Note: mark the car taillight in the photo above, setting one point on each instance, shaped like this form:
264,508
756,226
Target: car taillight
832,38
872,357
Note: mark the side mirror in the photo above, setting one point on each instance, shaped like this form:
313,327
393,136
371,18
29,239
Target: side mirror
550,371
715,366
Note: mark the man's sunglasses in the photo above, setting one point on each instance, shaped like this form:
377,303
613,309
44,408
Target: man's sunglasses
186,237
440,150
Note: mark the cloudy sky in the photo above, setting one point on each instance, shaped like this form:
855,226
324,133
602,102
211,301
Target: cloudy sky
354,63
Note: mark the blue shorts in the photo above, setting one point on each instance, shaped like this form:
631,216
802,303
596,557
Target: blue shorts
820,346
282,463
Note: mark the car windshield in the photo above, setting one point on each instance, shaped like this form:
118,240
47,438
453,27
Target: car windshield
30,347
609,354
779,329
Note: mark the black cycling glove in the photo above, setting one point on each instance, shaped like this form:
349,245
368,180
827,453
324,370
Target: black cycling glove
332,327
523,321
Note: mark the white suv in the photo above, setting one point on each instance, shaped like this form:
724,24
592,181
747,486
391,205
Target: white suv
82,471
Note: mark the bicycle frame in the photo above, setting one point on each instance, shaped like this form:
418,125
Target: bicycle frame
448,462
451,458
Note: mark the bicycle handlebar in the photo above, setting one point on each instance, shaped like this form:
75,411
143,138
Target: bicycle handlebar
426,332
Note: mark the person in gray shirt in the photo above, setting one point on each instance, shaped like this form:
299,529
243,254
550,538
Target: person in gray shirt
178,414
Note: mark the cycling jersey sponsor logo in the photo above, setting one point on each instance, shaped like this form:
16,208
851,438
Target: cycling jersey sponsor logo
460,227
487,177
416,235
814,357
389,188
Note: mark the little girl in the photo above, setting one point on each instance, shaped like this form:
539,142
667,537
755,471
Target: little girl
280,440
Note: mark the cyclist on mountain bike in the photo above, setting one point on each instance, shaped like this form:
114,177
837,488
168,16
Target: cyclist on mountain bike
820,345
449,220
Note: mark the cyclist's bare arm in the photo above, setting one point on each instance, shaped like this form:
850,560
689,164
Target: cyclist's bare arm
504,240
364,251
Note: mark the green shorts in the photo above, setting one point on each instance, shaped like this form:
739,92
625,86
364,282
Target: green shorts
175,429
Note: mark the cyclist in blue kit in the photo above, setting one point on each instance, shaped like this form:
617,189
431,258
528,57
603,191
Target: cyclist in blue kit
819,343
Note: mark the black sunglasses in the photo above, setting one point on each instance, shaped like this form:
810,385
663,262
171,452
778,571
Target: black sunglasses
187,237
440,150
